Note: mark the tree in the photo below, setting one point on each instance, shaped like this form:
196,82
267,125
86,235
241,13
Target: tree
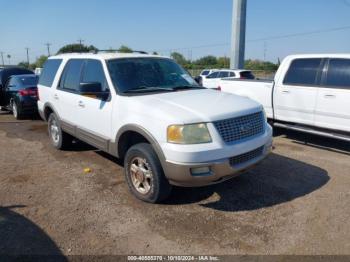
223,62
207,61
260,65
23,64
40,61
76,48
125,49
179,58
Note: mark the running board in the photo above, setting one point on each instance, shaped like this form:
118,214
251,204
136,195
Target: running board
313,131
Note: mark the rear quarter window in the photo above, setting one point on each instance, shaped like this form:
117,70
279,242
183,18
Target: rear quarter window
49,72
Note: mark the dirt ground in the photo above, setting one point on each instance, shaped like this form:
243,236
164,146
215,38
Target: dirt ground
295,202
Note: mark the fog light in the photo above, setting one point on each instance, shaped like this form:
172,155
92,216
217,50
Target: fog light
200,171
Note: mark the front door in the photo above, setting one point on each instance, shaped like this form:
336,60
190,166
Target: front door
295,96
95,114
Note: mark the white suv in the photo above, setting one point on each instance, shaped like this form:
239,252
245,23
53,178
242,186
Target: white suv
147,110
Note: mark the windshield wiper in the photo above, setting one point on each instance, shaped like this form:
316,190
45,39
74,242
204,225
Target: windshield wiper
149,89
185,87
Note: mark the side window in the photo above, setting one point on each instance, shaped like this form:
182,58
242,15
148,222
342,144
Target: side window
71,76
338,73
49,72
11,83
93,72
232,74
303,72
223,74
213,75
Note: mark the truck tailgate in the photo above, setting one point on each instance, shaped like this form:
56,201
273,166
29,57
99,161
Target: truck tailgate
258,90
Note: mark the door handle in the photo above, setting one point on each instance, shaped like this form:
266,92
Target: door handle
329,96
56,97
285,91
81,104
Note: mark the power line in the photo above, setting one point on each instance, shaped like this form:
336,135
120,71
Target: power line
264,39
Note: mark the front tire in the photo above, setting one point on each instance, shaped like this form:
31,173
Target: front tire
144,174
59,139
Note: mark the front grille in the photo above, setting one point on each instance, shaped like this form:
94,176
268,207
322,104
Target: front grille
241,159
239,128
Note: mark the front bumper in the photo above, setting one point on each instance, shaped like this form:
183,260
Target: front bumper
181,174
217,159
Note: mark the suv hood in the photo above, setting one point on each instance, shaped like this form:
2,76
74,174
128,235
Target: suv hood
195,106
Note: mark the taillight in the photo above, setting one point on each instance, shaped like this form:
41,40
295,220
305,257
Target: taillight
28,92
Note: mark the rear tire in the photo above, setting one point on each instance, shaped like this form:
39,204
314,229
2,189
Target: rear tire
16,111
59,139
144,174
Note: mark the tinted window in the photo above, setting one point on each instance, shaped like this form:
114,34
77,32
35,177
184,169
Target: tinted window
49,72
72,73
213,75
205,73
338,73
93,72
223,74
13,84
247,75
232,74
303,72
30,81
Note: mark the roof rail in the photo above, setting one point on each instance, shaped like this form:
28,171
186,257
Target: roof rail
117,51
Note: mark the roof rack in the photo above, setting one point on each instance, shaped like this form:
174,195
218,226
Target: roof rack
117,51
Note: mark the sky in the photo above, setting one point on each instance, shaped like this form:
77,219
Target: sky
193,27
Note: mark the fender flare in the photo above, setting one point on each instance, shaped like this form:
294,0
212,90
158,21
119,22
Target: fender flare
142,131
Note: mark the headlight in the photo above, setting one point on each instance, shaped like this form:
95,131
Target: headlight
189,134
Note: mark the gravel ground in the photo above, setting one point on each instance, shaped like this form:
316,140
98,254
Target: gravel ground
296,202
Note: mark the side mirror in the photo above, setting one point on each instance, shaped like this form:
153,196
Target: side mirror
93,90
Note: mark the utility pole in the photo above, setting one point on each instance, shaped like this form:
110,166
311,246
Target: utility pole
265,51
9,58
48,49
2,59
27,55
81,41
238,34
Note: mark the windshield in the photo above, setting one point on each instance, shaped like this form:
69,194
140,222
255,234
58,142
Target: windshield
148,74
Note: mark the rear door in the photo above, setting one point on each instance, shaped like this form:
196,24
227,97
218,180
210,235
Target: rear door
333,101
67,93
295,96
95,114
11,89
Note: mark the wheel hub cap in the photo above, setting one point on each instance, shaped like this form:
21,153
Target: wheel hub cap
141,175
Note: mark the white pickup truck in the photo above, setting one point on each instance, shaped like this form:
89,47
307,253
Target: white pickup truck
310,93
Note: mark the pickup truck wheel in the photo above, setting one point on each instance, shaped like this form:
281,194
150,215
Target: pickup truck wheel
144,174
59,139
